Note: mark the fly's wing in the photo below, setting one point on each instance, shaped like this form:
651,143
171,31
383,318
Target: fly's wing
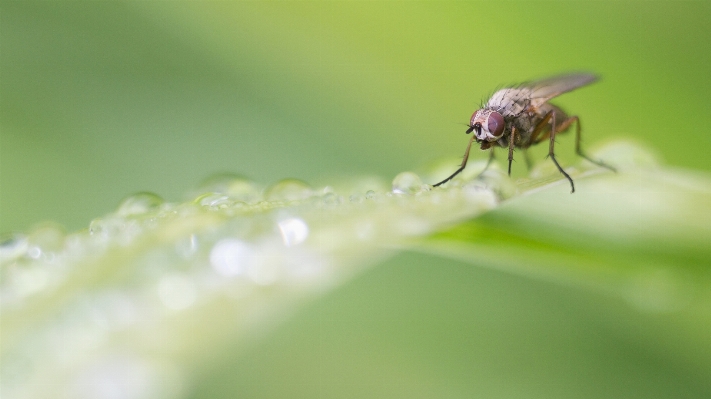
512,101
543,90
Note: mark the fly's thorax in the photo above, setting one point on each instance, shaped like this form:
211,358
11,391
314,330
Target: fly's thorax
510,101
488,125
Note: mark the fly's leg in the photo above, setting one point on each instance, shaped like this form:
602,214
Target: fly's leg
511,147
464,163
551,152
540,127
578,149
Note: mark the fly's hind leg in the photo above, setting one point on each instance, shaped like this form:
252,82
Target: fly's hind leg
578,148
551,147
540,128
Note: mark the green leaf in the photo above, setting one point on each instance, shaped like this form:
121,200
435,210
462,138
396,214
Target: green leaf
156,298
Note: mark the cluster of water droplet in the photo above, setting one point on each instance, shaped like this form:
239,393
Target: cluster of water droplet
228,253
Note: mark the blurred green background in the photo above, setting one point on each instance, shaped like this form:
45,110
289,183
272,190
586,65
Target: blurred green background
99,100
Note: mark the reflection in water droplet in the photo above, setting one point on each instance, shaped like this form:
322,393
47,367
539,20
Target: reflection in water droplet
289,190
237,187
370,194
293,231
138,204
214,201
231,257
407,183
176,291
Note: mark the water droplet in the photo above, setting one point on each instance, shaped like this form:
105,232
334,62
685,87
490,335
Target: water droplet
237,187
214,201
176,291
105,228
289,190
356,198
370,194
294,231
12,246
231,257
407,183
364,183
331,199
139,204
34,252
476,193
48,237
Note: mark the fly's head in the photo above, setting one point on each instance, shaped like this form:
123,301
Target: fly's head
487,125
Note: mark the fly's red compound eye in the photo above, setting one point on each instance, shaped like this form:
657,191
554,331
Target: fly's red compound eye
495,124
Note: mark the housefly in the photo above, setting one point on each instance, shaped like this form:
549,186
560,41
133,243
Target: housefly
521,116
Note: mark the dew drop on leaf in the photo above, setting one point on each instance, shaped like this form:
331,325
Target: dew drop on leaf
139,204
288,190
237,187
331,199
407,183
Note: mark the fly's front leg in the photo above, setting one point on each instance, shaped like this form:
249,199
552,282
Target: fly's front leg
578,149
551,152
464,163
511,146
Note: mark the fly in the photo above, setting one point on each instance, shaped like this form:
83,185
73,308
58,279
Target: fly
521,116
